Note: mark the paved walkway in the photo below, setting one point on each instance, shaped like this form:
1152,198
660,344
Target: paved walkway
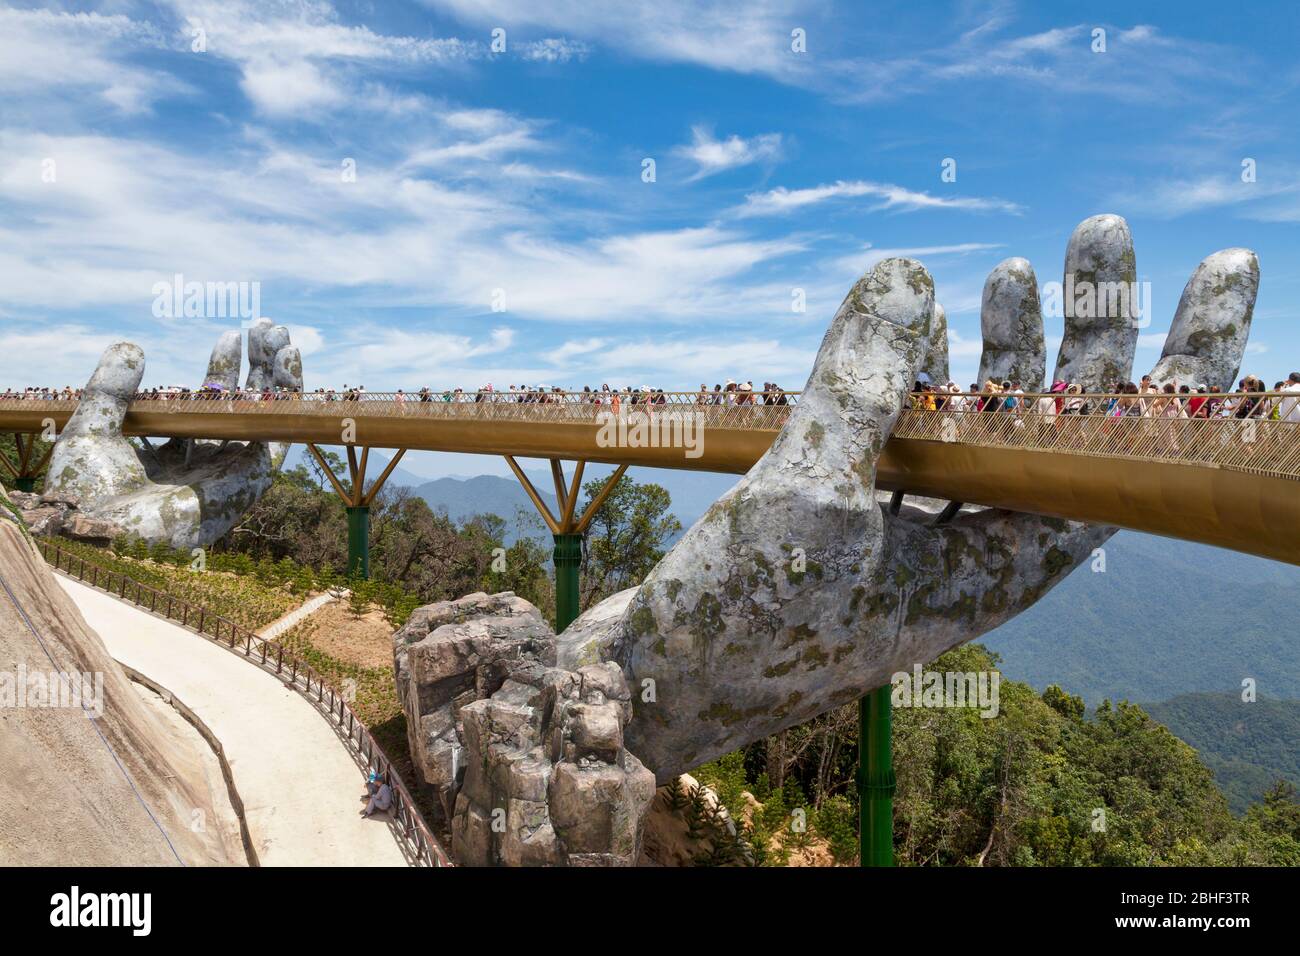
300,786
276,628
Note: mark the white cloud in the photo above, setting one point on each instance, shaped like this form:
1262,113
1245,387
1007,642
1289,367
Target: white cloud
124,214
553,50
712,155
573,348
859,262
1275,198
46,51
781,200
1139,65
645,361
297,58
742,36
754,37
283,89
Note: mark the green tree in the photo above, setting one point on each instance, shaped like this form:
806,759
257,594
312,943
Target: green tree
627,537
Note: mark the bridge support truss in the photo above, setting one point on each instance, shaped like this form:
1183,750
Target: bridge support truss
29,467
568,530
356,499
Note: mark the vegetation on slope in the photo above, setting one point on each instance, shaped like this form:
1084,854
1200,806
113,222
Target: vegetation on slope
1249,746
1040,784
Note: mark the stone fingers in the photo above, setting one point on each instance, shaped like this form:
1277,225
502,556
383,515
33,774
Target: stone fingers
1208,336
91,461
227,358
1101,304
1011,320
265,340
287,370
936,359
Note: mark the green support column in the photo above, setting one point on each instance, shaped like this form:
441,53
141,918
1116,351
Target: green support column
876,779
568,559
359,541
25,484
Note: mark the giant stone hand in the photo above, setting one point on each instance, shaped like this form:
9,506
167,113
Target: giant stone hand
739,645
186,494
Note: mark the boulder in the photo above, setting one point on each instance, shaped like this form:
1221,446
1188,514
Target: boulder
526,758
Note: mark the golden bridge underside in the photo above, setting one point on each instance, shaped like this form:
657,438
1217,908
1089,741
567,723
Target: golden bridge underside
1117,474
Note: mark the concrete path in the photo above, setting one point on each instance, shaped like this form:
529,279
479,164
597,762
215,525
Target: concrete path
276,628
300,786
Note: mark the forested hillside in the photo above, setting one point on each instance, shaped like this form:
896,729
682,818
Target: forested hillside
1166,618
1249,746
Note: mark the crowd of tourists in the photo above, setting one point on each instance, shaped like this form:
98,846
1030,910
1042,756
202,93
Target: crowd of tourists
733,393
1170,400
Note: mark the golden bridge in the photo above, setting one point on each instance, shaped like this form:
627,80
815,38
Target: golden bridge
1132,461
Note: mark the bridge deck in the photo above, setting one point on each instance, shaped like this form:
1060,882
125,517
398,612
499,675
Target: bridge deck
1224,481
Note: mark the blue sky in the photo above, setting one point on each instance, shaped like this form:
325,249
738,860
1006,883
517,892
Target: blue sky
518,174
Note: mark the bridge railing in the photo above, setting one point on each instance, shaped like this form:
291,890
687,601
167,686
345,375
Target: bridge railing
1254,431
1257,432
751,410
418,840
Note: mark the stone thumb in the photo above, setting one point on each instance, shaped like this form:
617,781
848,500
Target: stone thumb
109,392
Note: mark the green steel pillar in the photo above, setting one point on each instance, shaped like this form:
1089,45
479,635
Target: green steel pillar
359,541
568,559
876,779
25,484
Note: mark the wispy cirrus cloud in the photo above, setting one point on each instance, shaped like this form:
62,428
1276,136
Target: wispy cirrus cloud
57,52
781,200
1274,197
712,155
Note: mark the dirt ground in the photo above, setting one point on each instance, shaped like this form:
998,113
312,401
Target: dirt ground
366,641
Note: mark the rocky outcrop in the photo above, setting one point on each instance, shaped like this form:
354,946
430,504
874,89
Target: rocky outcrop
449,655
48,515
527,759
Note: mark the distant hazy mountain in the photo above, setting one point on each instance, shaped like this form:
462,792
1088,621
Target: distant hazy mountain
1247,745
1166,618
489,494
462,498
298,455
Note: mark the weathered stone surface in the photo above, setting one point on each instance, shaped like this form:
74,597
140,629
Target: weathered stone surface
64,796
1101,311
1012,322
1210,328
91,529
226,361
453,653
91,460
936,357
507,741
184,494
797,591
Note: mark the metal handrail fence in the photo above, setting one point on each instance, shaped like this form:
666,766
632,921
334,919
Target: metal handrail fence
419,842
